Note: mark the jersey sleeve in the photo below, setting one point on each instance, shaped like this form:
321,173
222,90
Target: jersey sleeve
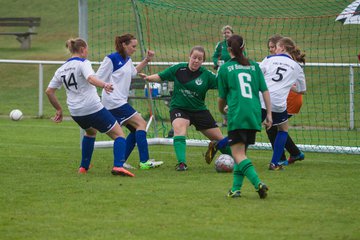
216,54
262,83
222,84
212,80
86,69
55,83
133,70
168,74
105,70
300,81
263,65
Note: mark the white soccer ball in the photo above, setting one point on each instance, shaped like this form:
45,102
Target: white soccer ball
16,115
224,163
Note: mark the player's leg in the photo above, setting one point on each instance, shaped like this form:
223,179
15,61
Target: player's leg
180,122
137,122
271,133
243,165
87,149
280,120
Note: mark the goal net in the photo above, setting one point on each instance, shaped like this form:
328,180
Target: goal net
329,120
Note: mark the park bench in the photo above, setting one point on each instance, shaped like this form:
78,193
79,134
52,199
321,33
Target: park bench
24,37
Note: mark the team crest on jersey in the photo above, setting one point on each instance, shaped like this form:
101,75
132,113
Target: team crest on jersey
198,81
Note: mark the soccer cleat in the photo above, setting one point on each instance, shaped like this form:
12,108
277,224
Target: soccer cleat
181,167
121,171
235,194
128,166
262,190
274,167
82,170
151,163
211,151
293,159
284,163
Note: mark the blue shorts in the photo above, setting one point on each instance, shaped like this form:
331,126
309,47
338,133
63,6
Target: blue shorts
278,118
102,121
123,113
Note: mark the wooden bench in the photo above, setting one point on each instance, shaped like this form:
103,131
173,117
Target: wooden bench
24,37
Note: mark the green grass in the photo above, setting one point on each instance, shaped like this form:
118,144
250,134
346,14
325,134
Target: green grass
43,197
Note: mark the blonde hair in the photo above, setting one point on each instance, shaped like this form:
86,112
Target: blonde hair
292,49
227,27
75,44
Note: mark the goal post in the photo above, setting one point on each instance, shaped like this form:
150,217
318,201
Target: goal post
329,120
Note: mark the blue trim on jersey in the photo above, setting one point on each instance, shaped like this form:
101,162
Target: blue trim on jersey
76,58
279,55
117,60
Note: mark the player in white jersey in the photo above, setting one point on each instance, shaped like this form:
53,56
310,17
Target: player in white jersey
80,82
118,69
281,72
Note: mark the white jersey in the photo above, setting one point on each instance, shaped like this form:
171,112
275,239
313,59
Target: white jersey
82,97
281,72
114,69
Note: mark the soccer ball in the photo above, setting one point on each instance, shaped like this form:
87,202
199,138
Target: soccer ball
224,163
16,115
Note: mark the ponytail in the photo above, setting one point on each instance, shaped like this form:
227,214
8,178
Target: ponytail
237,44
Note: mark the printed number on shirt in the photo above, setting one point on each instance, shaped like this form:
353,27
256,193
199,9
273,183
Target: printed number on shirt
69,82
279,71
245,87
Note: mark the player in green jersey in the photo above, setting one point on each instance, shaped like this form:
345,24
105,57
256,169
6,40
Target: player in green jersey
187,106
240,81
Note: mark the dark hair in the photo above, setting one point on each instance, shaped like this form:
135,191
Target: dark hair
236,45
292,49
200,49
274,39
119,40
75,44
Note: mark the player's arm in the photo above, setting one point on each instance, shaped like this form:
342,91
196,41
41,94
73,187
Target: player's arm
150,78
50,92
147,59
222,105
108,87
268,120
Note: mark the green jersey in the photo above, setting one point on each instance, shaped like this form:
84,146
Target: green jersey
221,52
190,87
240,87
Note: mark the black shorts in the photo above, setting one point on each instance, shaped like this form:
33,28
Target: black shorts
278,118
202,120
245,136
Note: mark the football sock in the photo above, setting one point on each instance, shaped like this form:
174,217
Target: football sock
271,133
142,145
130,144
238,178
119,151
247,168
180,148
226,150
279,146
87,149
291,147
222,143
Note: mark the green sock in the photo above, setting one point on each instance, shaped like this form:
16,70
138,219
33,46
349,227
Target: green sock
226,150
180,148
249,171
238,178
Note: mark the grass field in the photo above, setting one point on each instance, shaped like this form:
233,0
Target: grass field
43,197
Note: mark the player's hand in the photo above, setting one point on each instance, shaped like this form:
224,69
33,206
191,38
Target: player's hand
143,76
150,55
108,87
268,122
226,108
58,116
